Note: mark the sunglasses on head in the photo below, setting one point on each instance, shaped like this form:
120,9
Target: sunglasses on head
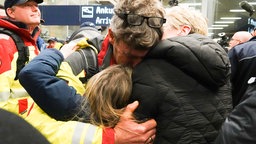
137,20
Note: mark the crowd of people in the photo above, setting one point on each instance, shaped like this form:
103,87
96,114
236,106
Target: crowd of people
159,79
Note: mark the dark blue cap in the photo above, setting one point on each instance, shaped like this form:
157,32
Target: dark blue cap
88,24
52,39
10,3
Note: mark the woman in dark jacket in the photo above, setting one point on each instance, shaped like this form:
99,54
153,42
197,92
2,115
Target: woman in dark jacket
183,83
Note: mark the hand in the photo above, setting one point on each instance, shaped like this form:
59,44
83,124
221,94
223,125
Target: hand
128,130
68,49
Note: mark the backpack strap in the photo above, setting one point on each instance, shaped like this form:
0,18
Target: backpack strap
84,59
91,63
23,51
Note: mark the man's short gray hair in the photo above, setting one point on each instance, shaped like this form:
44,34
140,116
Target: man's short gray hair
138,37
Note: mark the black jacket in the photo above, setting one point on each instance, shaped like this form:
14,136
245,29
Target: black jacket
184,84
242,58
240,126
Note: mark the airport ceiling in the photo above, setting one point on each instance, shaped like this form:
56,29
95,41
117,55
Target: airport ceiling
215,9
223,8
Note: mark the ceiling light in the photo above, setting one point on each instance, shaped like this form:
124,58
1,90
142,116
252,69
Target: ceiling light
220,25
230,18
252,3
215,28
191,4
224,22
237,10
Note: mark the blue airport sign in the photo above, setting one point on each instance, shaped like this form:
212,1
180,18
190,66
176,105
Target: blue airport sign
100,15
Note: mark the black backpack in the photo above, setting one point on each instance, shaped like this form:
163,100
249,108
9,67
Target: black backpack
85,59
23,51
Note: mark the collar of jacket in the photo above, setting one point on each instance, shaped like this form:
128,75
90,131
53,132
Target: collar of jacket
105,57
17,23
253,38
21,29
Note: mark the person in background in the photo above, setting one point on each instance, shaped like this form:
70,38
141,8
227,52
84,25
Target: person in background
23,17
239,126
242,59
239,38
183,82
90,24
24,21
127,42
52,42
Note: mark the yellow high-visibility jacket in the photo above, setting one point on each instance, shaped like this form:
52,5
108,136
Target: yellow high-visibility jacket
57,132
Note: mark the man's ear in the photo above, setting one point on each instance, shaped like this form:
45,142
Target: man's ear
185,30
9,12
111,36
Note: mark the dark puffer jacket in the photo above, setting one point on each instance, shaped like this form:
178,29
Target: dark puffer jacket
184,84
239,126
242,58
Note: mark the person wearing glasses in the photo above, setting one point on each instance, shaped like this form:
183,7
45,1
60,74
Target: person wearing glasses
188,97
183,82
239,38
135,28
23,17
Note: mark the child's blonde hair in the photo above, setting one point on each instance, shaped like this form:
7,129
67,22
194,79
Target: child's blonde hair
107,93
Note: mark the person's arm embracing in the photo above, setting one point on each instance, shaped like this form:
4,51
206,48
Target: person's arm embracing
52,94
128,130
57,99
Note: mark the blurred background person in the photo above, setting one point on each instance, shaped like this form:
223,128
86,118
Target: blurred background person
52,42
238,38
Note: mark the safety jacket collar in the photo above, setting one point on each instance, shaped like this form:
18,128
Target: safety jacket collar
16,23
21,29
105,57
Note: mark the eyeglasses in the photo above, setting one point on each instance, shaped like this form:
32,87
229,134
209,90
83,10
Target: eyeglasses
137,20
